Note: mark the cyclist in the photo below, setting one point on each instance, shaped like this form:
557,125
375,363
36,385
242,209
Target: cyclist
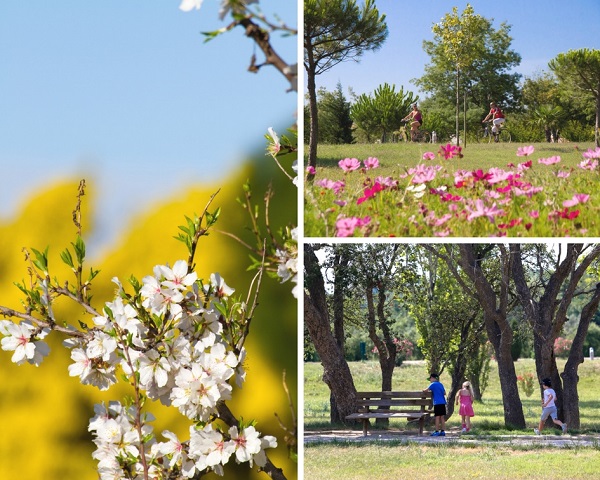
417,120
497,119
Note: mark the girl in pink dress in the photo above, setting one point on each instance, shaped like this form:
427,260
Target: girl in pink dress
465,396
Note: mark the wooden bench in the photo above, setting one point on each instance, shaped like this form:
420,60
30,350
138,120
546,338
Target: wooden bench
410,405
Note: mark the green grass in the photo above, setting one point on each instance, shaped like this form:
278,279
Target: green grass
450,460
489,414
447,461
397,212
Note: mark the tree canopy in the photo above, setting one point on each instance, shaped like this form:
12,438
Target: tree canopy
336,31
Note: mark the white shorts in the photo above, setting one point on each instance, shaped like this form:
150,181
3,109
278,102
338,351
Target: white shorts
497,122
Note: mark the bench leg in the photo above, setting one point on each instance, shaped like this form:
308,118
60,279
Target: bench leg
365,426
421,425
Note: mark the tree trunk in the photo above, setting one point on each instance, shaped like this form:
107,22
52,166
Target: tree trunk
597,130
313,108
336,372
570,376
457,107
498,328
385,347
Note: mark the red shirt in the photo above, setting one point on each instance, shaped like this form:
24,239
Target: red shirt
496,113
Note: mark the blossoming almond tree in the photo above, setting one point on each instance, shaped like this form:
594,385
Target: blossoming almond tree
175,338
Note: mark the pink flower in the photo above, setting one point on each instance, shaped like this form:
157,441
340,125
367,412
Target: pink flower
534,214
336,186
311,170
549,161
387,181
371,162
524,166
450,151
589,164
422,173
428,156
563,174
349,164
525,151
577,199
481,210
589,154
370,193
345,226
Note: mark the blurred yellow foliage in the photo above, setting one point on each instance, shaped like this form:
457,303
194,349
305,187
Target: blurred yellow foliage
44,413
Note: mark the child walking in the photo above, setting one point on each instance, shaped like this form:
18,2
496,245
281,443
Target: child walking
465,396
439,404
549,408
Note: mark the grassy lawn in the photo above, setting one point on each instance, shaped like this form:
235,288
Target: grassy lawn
450,460
447,461
529,200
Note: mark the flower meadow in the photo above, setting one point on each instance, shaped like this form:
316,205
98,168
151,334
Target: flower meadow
531,196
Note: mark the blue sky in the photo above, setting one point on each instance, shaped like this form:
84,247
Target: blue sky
126,94
540,30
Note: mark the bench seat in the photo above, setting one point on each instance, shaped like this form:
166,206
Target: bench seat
414,406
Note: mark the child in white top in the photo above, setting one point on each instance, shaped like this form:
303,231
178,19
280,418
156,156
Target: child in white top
549,408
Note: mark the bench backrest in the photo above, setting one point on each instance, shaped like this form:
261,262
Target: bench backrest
409,401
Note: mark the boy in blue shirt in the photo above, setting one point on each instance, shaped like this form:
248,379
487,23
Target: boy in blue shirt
439,404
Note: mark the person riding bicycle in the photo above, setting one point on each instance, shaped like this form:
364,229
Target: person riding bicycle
417,120
497,119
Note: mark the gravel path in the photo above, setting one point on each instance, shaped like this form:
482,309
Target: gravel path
562,441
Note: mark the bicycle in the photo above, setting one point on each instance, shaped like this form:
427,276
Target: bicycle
486,135
420,136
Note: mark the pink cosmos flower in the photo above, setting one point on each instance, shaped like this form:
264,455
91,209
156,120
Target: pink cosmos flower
497,175
387,181
345,226
534,214
451,151
524,166
336,186
349,164
370,193
589,154
423,173
482,210
525,151
589,164
428,156
577,199
563,174
311,170
549,161
371,162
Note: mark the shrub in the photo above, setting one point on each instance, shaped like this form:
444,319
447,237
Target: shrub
562,347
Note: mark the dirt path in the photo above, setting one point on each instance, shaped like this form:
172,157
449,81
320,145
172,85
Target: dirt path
454,437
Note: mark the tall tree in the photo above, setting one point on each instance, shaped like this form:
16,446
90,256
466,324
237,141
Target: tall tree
581,69
447,317
488,270
556,284
335,123
470,58
336,31
336,372
382,112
